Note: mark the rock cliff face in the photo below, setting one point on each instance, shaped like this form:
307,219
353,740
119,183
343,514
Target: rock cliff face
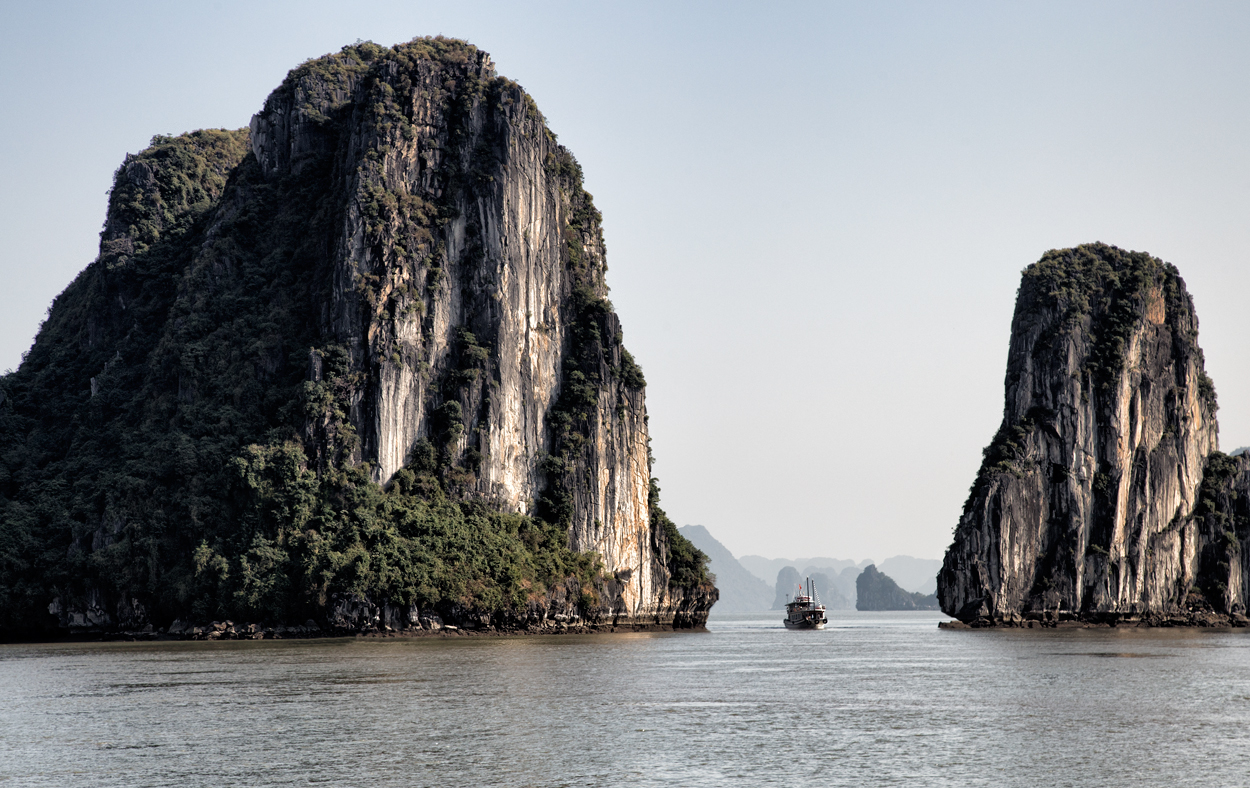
431,273
1086,505
517,238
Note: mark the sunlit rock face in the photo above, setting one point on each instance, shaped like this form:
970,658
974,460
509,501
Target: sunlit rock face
465,259
1086,505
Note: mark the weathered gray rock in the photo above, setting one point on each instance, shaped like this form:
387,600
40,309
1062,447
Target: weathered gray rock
421,277
91,612
1221,527
406,290
1084,504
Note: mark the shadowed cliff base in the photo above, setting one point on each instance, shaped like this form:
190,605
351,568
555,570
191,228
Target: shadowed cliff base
1197,618
355,361
357,618
1103,499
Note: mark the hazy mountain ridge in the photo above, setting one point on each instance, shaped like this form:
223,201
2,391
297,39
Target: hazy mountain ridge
835,579
740,591
830,590
914,574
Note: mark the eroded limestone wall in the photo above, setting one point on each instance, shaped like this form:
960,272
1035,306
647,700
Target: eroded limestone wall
457,217
1102,450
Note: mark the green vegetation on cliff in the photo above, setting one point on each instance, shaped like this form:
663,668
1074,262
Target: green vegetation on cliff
298,537
687,564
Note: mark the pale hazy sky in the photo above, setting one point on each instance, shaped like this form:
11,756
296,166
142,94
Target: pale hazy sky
816,213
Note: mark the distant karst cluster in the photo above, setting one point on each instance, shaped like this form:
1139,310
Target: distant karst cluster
876,591
839,583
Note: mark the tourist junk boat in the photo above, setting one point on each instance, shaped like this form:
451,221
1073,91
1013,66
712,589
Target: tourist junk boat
805,612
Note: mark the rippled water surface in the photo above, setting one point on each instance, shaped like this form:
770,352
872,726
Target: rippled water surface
875,699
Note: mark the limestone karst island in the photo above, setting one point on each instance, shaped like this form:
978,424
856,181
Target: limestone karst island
350,369
1103,498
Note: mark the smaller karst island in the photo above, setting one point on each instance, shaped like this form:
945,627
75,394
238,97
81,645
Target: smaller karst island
1103,499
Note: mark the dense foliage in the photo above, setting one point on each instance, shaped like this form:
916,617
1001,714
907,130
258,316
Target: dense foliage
180,430
299,537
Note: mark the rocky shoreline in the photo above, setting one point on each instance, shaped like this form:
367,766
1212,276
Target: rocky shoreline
432,627
1051,620
560,611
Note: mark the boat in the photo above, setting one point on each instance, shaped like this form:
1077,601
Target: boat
805,611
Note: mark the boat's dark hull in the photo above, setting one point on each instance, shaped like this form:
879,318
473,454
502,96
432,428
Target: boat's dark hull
805,624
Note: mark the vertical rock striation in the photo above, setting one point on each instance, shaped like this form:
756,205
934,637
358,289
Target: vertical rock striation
467,252
1085,505
468,269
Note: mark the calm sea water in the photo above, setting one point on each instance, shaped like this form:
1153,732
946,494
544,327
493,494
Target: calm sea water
875,699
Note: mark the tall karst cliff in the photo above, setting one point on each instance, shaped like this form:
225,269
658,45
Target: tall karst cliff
354,362
1102,496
